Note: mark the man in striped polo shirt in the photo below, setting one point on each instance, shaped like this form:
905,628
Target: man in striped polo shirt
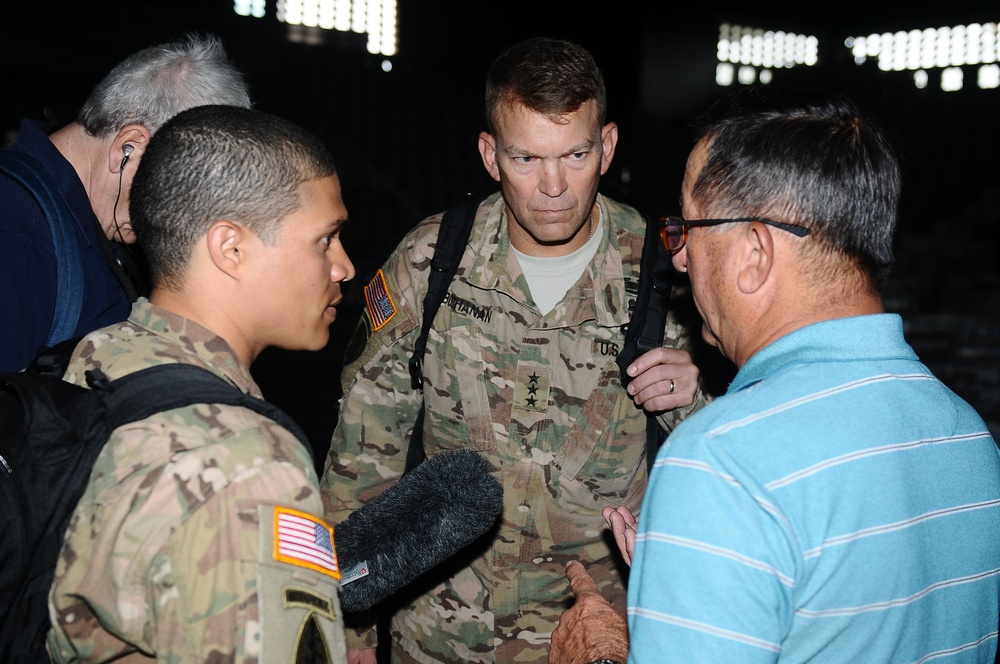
838,503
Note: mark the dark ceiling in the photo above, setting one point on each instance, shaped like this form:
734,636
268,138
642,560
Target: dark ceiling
658,60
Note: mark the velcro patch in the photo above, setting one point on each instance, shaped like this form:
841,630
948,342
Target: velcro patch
303,540
381,308
531,391
605,348
310,601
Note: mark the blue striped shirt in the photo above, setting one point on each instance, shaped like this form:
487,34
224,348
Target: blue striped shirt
838,504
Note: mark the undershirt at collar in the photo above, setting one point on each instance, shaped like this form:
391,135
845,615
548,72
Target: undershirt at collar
549,277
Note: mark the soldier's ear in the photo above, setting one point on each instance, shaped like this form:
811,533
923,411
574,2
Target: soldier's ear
488,151
609,141
226,244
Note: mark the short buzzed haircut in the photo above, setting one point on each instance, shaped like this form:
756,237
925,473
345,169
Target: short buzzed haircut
218,162
552,77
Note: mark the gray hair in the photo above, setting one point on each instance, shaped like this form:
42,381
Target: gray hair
807,157
153,85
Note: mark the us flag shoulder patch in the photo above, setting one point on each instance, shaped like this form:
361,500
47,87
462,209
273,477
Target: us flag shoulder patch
381,308
305,541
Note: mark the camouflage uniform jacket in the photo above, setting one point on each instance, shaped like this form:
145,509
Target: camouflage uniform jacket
539,396
170,554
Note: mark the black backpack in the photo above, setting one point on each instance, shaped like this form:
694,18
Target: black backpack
51,433
644,331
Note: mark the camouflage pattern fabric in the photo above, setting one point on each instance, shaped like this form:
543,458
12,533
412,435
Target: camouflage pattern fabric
539,396
170,555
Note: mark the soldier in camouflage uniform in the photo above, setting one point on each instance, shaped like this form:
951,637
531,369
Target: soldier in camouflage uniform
176,551
520,365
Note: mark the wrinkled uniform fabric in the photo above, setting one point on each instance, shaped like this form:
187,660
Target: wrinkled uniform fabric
539,396
27,261
837,504
170,553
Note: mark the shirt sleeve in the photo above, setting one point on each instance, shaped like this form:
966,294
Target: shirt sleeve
224,589
178,560
715,565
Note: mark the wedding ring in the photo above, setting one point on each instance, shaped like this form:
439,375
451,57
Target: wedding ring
672,385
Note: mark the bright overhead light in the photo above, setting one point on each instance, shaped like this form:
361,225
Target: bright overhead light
743,50
988,77
376,18
951,79
724,74
948,46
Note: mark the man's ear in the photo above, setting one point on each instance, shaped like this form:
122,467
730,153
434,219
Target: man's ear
488,151
128,144
609,140
755,256
226,242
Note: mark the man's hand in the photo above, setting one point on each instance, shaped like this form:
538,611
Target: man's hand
663,379
361,656
591,629
623,526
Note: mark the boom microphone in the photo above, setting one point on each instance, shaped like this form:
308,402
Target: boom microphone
426,517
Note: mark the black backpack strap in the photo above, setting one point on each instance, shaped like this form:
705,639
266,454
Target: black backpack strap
26,170
649,319
415,452
453,236
141,394
649,315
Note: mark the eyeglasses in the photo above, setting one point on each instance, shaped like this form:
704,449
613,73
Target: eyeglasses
674,230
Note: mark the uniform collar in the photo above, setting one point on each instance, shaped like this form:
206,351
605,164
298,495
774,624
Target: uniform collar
602,291
209,349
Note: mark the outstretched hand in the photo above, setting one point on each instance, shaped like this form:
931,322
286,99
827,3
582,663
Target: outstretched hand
591,629
623,526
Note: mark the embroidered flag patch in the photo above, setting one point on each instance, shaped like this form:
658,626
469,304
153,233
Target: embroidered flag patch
304,540
381,308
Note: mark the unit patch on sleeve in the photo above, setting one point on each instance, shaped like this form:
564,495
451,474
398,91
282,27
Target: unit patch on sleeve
305,541
381,308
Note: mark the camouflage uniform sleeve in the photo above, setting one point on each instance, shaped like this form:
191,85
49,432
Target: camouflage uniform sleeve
379,407
228,588
175,541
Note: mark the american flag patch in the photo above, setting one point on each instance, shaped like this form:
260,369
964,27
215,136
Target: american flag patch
380,305
304,540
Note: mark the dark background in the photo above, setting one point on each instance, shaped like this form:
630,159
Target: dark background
405,141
